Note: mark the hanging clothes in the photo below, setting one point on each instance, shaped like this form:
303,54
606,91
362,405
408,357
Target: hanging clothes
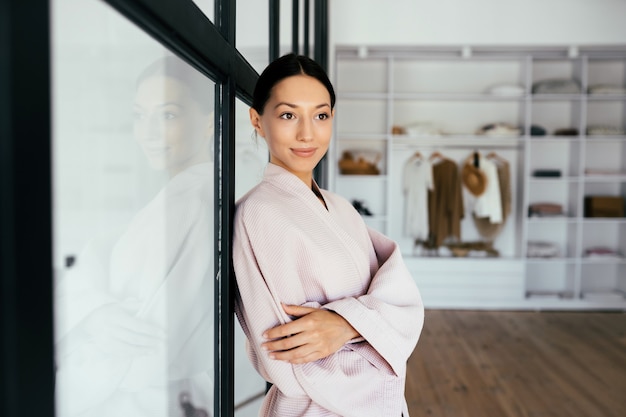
488,203
486,228
445,201
417,180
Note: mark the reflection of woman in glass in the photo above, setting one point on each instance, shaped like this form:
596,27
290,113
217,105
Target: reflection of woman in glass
134,315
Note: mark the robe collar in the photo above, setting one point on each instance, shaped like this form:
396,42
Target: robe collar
287,181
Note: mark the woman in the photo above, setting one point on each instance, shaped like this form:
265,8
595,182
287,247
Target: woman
134,319
329,309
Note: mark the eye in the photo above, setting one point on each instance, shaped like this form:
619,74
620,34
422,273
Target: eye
323,116
169,115
287,116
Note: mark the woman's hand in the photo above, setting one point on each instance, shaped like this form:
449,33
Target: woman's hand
315,334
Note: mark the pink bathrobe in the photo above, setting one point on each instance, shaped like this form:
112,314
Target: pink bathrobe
288,248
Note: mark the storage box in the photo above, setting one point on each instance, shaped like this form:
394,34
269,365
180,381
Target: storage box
604,206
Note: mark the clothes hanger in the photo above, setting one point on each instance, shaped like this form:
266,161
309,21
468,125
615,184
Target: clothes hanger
476,159
493,155
435,155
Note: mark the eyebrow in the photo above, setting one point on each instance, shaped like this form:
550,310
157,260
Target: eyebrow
293,106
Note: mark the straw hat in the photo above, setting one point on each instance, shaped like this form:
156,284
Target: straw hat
474,179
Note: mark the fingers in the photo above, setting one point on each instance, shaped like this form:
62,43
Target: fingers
285,330
302,354
294,310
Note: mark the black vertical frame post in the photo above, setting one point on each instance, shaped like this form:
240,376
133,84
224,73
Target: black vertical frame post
306,29
321,33
274,29
26,275
224,342
295,27
320,51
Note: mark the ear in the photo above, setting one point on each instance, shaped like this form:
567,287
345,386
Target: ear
255,119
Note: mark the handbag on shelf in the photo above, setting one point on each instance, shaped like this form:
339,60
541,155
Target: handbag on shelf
359,163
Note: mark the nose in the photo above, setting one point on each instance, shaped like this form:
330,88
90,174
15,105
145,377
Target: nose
305,130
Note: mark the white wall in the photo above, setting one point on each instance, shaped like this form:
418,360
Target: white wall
477,22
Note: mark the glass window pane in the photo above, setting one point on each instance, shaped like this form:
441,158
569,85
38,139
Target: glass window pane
251,157
207,7
253,31
133,220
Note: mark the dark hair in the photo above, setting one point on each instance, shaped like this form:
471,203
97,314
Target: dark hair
200,87
288,66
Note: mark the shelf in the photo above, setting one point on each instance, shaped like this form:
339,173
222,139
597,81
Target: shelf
604,138
558,97
359,177
603,261
455,97
362,136
551,260
604,220
466,140
436,87
553,219
361,96
604,178
544,180
606,97
552,138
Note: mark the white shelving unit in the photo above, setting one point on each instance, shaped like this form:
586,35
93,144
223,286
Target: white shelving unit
447,87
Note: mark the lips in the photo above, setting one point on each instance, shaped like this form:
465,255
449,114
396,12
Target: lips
303,152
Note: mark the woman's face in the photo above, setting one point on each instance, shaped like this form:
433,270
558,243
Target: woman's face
169,124
296,124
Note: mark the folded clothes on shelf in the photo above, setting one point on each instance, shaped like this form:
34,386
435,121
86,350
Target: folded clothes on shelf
602,252
556,86
608,172
542,249
545,209
536,130
605,130
607,89
551,173
566,131
423,129
603,296
506,90
499,129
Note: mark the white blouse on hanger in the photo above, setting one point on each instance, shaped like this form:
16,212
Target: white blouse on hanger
417,180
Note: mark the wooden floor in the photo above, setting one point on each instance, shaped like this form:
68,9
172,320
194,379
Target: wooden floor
531,364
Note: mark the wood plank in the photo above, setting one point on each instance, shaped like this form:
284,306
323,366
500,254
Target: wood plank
519,364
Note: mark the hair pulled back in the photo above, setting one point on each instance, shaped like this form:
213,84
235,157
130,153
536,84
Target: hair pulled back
284,67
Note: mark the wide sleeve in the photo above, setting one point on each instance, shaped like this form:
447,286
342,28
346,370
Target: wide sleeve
258,309
390,315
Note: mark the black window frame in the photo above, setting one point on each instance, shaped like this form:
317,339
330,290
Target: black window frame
26,276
